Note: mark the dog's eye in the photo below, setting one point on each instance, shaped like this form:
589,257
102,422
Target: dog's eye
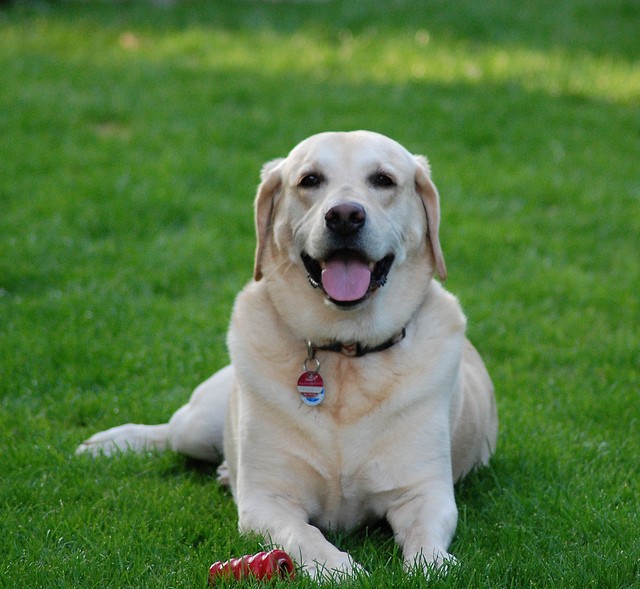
310,180
382,180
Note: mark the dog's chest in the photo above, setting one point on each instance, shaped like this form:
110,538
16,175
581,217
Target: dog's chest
354,447
345,494
345,505
355,388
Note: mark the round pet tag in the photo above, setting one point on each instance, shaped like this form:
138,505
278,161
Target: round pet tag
311,388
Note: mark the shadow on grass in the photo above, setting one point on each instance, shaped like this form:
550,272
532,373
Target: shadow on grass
543,25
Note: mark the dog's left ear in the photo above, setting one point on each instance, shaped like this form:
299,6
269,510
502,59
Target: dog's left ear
431,201
271,181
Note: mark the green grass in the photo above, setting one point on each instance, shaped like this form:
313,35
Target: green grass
131,138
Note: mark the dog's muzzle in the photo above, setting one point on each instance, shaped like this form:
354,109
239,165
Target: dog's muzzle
346,274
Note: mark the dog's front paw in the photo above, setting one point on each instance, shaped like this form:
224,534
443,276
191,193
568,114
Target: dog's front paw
437,563
335,569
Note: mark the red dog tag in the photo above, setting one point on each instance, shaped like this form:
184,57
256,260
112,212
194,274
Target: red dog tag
311,388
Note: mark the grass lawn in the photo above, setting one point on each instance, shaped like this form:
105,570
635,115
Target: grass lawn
131,137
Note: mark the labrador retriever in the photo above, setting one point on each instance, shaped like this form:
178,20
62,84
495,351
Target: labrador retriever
352,391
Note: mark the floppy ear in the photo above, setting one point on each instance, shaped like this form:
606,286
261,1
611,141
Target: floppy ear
431,201
271,181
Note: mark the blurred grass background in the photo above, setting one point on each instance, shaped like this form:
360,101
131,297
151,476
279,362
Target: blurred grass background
131,138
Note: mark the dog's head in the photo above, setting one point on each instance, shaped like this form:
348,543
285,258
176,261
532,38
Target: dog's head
349,213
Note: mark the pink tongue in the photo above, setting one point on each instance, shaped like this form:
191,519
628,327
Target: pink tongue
346,279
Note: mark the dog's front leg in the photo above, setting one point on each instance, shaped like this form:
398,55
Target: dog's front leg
286,526
424,524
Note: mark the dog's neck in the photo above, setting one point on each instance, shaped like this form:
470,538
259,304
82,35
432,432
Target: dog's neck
356,349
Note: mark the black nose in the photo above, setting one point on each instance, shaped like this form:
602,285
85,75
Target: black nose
346,218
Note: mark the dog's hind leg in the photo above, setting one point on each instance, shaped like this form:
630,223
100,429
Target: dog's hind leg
196,429
131,437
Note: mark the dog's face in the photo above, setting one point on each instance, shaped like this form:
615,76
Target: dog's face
352,216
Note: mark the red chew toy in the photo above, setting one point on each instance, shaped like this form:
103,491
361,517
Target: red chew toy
264,566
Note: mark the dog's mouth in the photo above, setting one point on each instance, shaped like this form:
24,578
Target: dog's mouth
346,276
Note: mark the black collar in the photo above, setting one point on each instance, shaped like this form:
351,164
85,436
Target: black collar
356,349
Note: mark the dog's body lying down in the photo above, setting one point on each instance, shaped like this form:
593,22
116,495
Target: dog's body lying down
347,229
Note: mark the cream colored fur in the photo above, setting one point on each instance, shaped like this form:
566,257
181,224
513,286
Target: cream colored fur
397,427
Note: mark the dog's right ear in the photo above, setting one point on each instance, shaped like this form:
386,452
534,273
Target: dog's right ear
267,192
